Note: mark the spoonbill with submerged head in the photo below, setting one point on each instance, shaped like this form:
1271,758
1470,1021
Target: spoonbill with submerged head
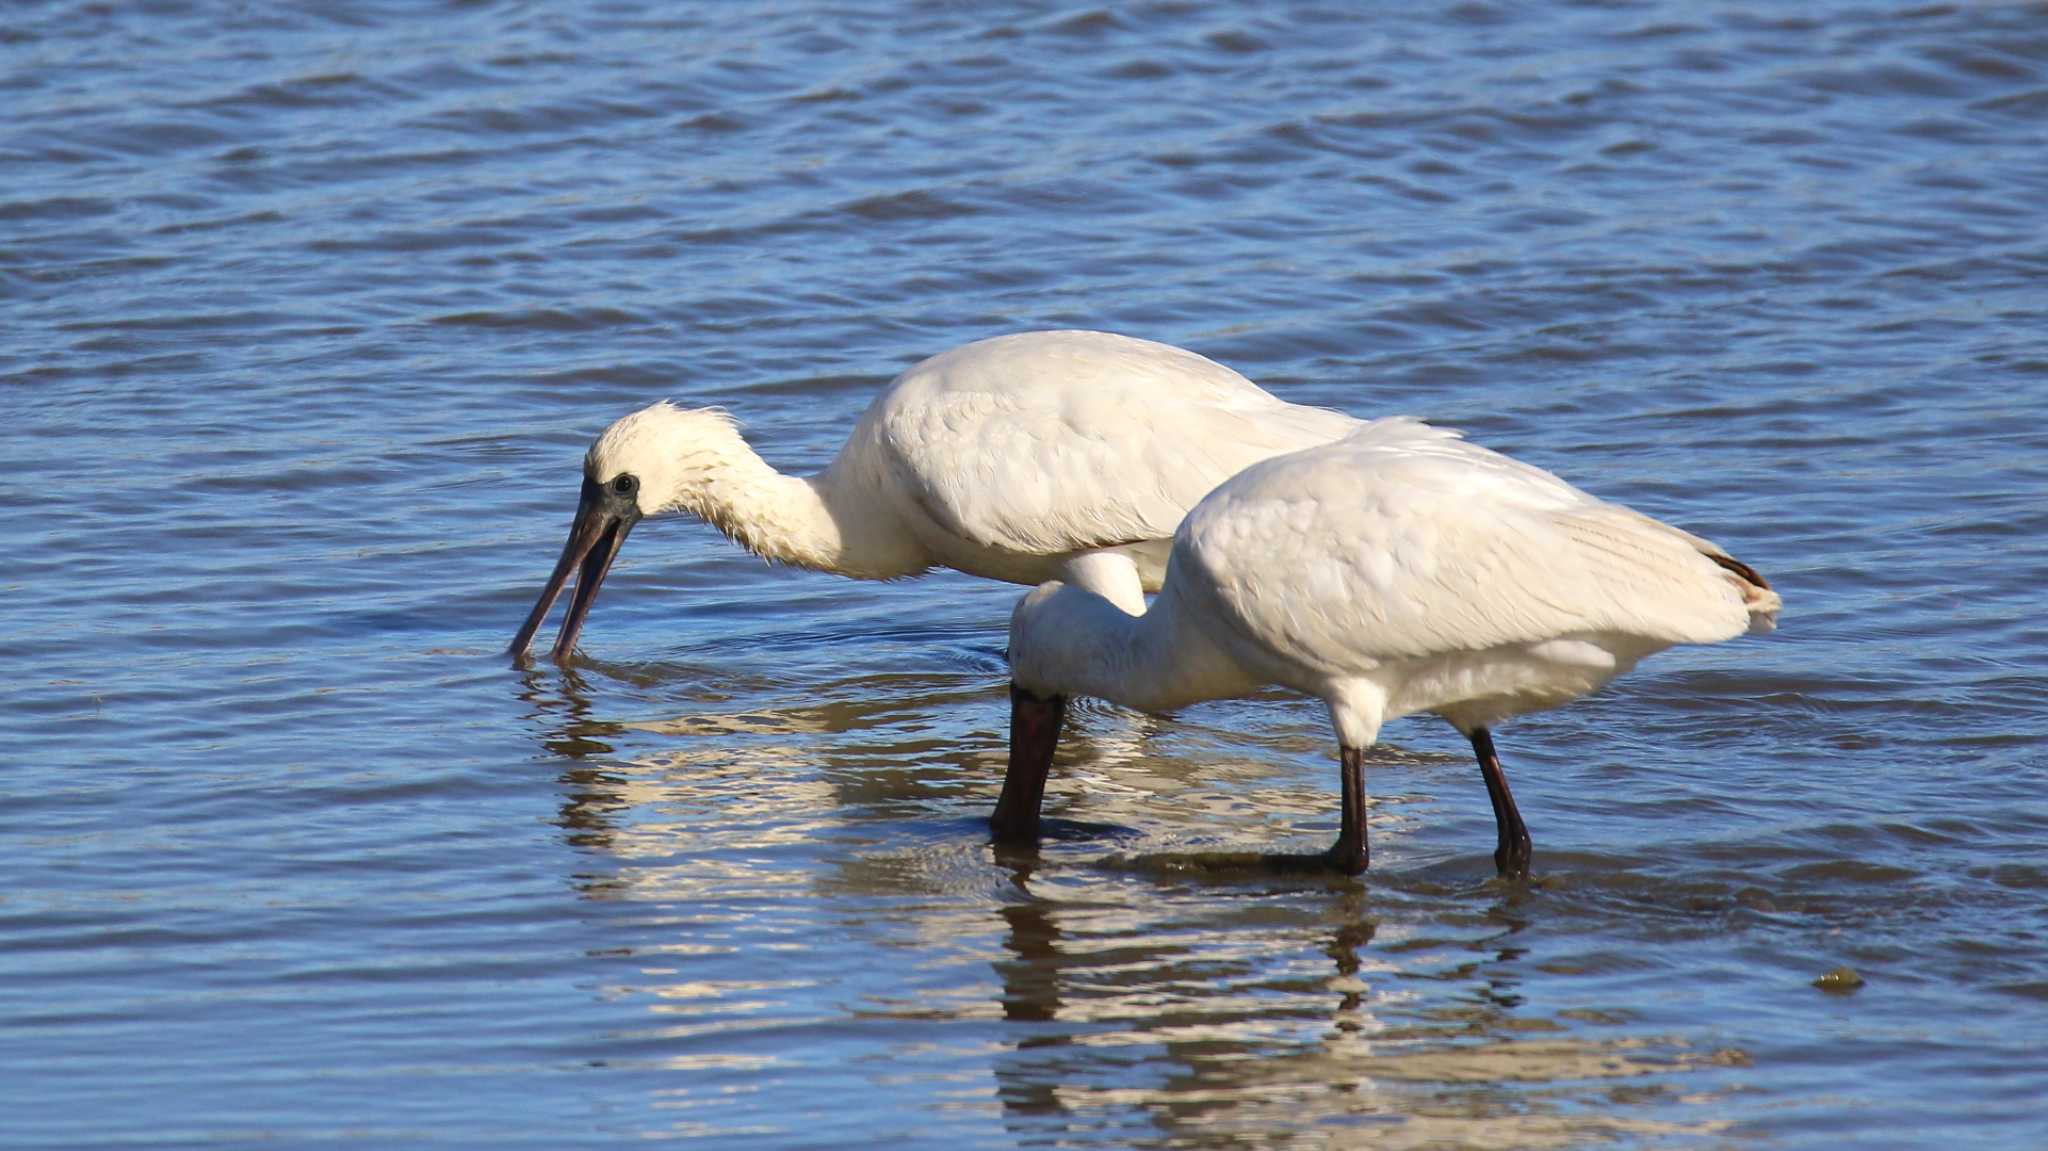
1037,456
1400,569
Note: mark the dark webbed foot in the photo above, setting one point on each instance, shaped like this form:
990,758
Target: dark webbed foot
1347,856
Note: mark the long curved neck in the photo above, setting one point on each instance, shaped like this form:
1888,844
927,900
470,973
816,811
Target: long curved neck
1079,643
811,522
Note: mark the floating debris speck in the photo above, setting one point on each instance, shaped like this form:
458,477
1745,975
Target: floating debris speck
1841,979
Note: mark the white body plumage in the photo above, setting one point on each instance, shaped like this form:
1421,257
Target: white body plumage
1069,455
1400,569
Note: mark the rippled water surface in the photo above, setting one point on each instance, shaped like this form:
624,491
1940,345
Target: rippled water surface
310,309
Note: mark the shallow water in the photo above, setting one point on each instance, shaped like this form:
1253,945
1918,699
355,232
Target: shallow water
309,312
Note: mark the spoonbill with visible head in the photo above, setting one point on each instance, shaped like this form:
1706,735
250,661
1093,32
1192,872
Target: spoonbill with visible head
1400,569
1069,455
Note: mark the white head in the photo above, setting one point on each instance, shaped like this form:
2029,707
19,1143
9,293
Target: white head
1036,654
1067,640
663,456
660,458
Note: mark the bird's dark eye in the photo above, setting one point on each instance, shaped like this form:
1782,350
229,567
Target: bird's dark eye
626,484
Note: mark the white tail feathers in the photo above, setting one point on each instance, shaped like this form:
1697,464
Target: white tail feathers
1763,603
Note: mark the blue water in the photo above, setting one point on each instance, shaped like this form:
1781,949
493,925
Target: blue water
307,313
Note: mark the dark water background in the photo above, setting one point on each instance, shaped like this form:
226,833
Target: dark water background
307,311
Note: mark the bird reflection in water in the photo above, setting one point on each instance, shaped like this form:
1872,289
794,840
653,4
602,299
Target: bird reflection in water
1120,1016
1133,996
564,727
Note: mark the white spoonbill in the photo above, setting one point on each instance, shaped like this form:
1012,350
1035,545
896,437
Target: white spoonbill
1042,455
1399,569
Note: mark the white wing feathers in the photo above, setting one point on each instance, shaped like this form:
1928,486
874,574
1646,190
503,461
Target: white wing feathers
1404,541
1132,435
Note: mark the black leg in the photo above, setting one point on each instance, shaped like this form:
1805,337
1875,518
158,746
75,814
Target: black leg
1511,857
1034,734
1350,854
